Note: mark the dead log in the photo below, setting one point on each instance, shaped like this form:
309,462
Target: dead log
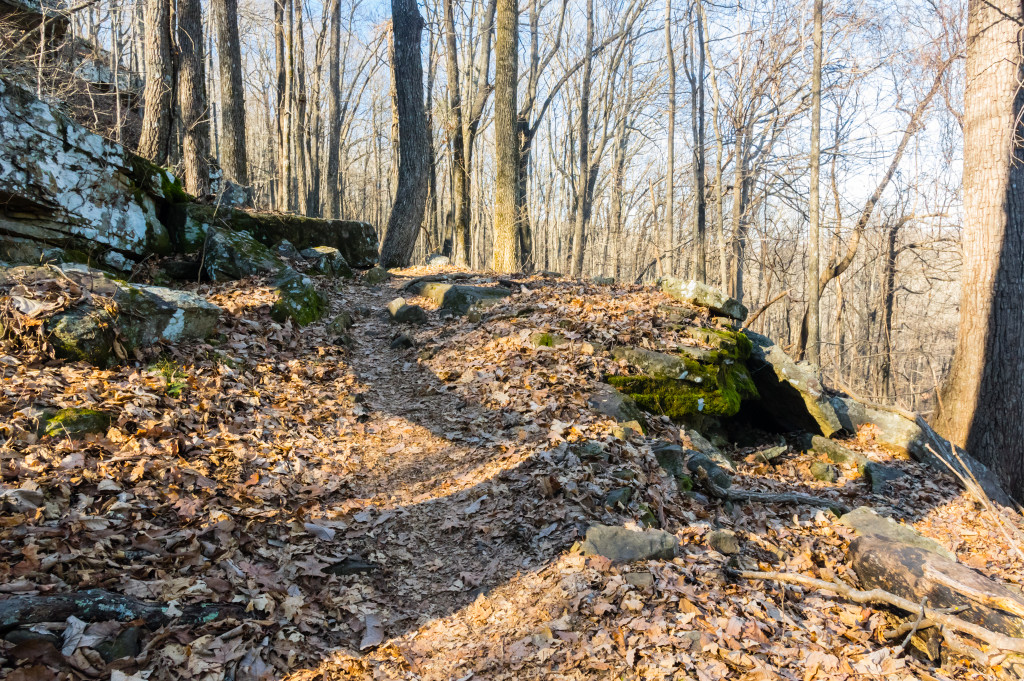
100,605
914,574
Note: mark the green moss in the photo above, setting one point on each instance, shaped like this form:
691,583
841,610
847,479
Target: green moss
76,421
148,178
174,375
719,395
298,301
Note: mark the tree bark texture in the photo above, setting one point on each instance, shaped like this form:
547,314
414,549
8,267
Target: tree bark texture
159,89
507,255
983,398
195,119
232,92
411,193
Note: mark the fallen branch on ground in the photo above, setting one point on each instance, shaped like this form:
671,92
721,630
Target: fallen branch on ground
996,640
432,278
100,605
744,496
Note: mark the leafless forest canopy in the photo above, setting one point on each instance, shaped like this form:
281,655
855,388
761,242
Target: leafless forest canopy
672,86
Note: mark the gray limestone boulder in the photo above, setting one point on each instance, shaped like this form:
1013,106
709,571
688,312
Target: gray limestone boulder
328,260
866,523
626,546
235,255
460,298
702,295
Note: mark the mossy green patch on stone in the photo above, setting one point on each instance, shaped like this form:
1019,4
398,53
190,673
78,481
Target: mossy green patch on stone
75,421
680,399
298,300
547,340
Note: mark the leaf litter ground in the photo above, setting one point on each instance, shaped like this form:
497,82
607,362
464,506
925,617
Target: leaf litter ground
414,513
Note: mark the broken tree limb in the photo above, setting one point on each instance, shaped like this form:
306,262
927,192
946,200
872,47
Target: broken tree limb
881,597
100,605
738,495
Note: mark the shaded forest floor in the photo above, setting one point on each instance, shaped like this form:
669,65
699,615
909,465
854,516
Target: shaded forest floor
414,512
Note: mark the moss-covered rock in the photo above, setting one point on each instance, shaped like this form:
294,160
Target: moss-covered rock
235,255
460,299
341,323
375,276
297,300
546,339
75,421
83,333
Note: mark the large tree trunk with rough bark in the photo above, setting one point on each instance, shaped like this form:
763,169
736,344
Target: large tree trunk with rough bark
460,177
195,121
232,93
983,398
332,199
507,254
579,235
411,193
159,91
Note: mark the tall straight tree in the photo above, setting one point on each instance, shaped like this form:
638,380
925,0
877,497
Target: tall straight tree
984,396
159,91
195,121
414,156
507,245
670,146
332,198
232,93
579,236
460,175
814,213
695,76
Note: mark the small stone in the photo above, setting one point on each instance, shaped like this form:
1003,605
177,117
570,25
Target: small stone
402,341
403,313
769,455
825,472
879,476
865,522
462,299
641,580
285,249
614,404
604,281
437,260
376,276
835,452
126,644
625,546
617,497
724,541
341,323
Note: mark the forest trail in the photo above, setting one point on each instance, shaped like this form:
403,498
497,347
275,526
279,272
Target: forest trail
415,512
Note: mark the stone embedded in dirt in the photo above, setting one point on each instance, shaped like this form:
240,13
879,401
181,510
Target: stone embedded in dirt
329,261
654,364
402,341
835,452
769,455
626,546
285,249
401,312
791,393
83,333
235,255
461,298
702,295
619,496
614,404
436,260
640,580
724,541
125,644
825,472
297,299
73,422
866,523
701,466
351,566
341,323
603,281
376,276
879,476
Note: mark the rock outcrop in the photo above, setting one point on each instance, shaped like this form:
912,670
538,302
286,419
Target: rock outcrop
702,295
61,185
460,298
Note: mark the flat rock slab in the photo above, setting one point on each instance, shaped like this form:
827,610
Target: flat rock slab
460,298
866,523
612,403
620,545
702,295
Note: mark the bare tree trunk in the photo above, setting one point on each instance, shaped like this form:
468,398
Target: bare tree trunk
813,294
983,399
582,208
232,92
696,78
670,147
460,178
284,190
159,92
333,189
411,192
507,255
192,96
